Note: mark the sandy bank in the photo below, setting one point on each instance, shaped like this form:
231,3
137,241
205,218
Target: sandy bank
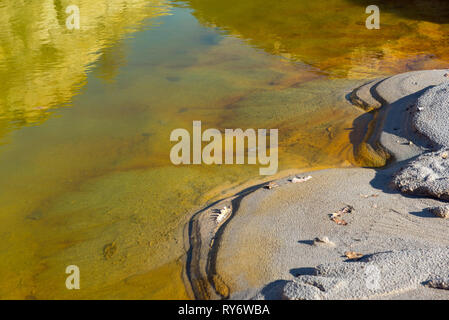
265,247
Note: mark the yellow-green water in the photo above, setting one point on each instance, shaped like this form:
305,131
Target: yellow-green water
86,115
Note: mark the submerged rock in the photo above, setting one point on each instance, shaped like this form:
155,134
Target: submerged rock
109,250
428,175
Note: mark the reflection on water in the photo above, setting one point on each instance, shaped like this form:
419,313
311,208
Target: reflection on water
426,10
43,64
331,35
97,175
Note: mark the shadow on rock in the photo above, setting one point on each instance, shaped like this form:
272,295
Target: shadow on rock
274,290
296,272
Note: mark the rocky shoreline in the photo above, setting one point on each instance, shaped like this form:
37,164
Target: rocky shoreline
270,244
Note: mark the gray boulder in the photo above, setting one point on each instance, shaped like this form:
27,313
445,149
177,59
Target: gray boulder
427,175
431,117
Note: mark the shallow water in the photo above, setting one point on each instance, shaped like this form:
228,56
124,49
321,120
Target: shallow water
86,115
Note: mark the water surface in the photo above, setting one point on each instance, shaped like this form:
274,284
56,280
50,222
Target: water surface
86,115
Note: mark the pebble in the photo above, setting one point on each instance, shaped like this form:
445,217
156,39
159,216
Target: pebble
442,212
323,241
